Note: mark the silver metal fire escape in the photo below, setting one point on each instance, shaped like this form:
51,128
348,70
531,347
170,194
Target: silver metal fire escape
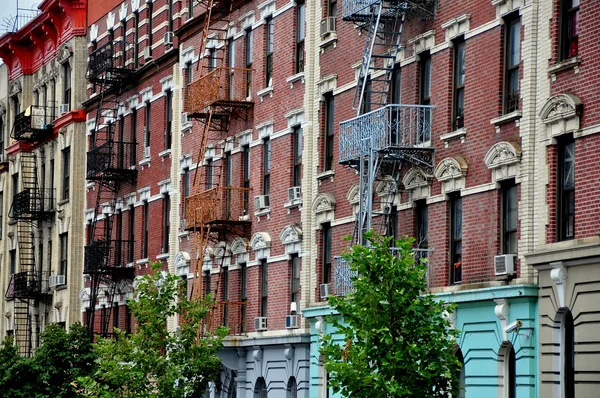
383,137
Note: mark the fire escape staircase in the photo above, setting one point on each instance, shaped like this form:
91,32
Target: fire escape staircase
30,207
382,137
220,94
110,163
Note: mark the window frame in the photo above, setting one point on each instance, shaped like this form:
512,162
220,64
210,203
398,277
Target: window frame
131,234
568,353
458,88
329,110
567,39
297,136
565,194
300,36
66,162
249,59
150,7
326,250
67,84
508,231
456,239
246,166
166,224
64,254
136,38
425,94
168,119
148,122
295,278
264,287
266,163
510,99
146,229
269,47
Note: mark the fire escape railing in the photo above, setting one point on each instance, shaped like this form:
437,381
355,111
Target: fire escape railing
112,62
111,158
34,124
105,256
222,86
33,204
229,314
219,204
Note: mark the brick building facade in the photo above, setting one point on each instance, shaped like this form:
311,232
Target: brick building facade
42,174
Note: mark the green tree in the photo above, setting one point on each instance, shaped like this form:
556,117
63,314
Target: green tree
153,362
391,339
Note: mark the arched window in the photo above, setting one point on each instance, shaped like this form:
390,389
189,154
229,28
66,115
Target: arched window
292,388
260,389
568,372
511,373
461,374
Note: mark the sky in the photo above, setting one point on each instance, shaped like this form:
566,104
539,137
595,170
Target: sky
8,8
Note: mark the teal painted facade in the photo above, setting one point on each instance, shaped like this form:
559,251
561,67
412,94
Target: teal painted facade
482,341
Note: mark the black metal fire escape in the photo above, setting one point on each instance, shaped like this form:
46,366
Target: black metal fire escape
110,163
30,207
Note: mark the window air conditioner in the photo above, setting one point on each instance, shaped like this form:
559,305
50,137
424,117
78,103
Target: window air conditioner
169,39
327,26
325,290
56,280
63,108
146,152
147,54
504,264
294,193
292,321
185,119
261,202
260,323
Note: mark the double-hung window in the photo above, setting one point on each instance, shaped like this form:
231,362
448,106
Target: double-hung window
168,118
326,239
248,47
455,240
147,128
145,235
166,222
297,157
569,29
66,154
329,125
509,217
512,59
300,35
269,45
264,287
295,278
566,188
267,166
424,132
458,107
67,84
64,254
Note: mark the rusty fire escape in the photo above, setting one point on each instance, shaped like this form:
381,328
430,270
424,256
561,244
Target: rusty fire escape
110,164
383,137
214,212
31,206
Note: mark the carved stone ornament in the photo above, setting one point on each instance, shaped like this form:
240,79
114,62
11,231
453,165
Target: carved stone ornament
416,177
2,109
260,240
15,87
290,234
451,168
323,202
93,32
84,294
239,245
64,53
387,186
182,259
503,153
125,286
561,114
353,195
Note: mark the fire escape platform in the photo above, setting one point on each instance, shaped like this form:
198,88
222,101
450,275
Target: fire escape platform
34,124
110,162
223,89
108,64
220,208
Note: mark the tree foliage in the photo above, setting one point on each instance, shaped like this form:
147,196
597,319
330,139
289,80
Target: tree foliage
395,339
153,362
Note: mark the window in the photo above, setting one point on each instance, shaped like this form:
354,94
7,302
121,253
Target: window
1,139
292,388
264,287
424,134
509,218
124,31
512,59
53,103
171,15
260,390
64,253
186,182
207,282
168,118
270,42
15,184
225,293
569,29
212,59
332,8
458,111
511,374
422,230
189,75
329,124
13,261
566,189
115,312
396,91
267,166
228,163
568,344
146,221
67,84
133,158
41,256
51,175
243,292
246,175
150,4
231,65
121,143
1,212
297,157
147,126
326,253
66,154
460,377
119,236
248,55
455,240
190,8
166,222
367,96
16,106
209,173
300,35
295,278
136,37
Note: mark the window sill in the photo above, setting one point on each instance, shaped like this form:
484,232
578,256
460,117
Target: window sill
89,185
164,154
263,212
298,77
292,204
63,202
60,287
571,63
457,134
327,40
144,162
264,92
183,234
509,117
161,257
143,261
326,174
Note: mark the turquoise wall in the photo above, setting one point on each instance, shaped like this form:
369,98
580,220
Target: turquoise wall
482,340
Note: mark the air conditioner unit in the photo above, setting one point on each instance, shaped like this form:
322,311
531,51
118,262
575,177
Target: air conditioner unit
261,202
38,119
64,108
294,193
146,152
292,321
147,53
325,290
56,280
504,264
185,119
260,323
169,39
327,26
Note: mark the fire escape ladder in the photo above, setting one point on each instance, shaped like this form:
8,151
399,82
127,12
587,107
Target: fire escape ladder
23,327
109,164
